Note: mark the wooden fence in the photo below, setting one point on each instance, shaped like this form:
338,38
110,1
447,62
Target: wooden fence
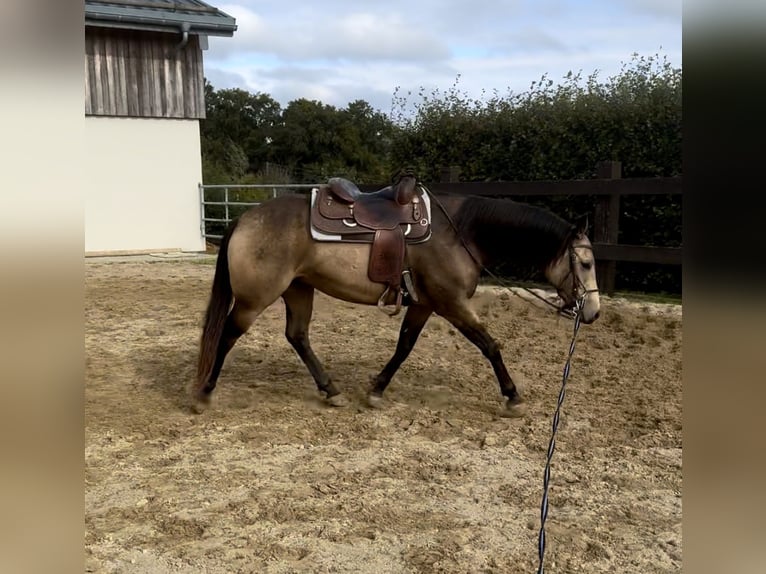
608,188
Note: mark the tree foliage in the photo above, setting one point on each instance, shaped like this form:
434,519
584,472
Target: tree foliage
245,132
236,132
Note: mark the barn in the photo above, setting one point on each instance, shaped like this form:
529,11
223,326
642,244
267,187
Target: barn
144,99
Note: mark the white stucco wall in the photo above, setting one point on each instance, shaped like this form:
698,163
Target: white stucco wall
141,185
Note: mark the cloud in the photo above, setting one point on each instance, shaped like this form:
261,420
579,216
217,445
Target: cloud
340,85
338,51
670,9
221,79
348,37
528,40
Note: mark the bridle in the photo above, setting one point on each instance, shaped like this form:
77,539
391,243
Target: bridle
579,290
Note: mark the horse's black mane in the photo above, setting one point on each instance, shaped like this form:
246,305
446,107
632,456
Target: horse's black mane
507,231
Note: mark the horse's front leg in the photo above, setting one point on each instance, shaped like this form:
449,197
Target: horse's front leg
414,320
299,304
467,322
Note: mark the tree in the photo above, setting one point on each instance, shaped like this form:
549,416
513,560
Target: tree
318,141
366,143
238,124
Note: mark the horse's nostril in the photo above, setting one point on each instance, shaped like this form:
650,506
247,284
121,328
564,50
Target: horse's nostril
596,315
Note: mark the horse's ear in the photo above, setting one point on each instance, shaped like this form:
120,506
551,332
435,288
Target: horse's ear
581,225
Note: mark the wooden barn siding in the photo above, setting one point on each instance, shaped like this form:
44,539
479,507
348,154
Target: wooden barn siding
142,74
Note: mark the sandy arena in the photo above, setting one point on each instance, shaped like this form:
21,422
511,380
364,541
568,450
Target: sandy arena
271,480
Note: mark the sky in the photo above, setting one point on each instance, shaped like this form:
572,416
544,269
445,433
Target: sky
338,51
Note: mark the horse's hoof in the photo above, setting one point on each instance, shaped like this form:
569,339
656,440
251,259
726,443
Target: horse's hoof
337,401
200,400
513,410
375,401
200,405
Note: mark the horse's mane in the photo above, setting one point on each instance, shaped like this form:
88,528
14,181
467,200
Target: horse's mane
508,231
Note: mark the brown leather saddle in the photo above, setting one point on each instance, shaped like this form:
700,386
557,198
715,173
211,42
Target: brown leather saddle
390,219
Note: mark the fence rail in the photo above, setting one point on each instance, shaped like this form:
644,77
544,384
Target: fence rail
273,190
608,187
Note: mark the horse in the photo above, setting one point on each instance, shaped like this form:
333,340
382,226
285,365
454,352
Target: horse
268,252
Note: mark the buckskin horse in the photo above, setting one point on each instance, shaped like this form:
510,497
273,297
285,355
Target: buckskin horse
400,247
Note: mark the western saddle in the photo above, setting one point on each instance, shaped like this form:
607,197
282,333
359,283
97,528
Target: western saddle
389,219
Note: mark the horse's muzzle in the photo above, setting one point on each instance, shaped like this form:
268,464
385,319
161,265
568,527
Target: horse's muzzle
589,320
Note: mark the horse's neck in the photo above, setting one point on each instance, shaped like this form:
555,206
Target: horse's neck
512,241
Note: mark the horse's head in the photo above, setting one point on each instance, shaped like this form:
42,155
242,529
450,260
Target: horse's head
574,273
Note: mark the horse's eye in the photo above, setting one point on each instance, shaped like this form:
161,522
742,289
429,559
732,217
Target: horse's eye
587,264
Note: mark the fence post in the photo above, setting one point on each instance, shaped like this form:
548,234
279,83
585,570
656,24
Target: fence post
606,224
450,174
202,227
226,205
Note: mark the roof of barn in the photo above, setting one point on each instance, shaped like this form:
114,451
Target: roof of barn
160,15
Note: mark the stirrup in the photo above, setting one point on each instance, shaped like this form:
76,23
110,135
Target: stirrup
409,285
382,305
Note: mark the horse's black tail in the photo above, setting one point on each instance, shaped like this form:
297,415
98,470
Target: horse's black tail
217,311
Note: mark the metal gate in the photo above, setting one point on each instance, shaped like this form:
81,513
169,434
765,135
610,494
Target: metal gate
233,199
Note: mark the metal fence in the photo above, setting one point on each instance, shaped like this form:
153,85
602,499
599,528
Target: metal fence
233,200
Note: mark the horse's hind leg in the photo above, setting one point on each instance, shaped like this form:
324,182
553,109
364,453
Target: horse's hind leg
299,304
413,323
238,321
466,321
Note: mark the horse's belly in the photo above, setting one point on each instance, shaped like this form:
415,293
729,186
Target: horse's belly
340,271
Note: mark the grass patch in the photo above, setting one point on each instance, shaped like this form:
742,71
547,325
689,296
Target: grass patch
203,261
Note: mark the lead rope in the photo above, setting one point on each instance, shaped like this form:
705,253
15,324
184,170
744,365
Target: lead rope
552,443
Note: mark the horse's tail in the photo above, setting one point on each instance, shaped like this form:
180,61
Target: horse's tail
217,311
